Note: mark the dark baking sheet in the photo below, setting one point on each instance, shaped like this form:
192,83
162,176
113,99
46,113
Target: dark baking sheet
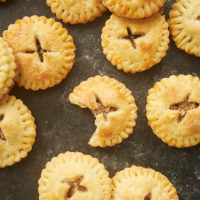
62,126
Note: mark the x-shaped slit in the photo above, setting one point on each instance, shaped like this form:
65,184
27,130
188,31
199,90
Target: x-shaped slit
183,107
40,51
74,186
132,37
148,197
2,136
103,109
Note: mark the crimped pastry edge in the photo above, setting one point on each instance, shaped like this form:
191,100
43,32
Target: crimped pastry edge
160,54
147,172
9,62
69,53
28,120
130,99
82,17
179,35
124,10
75,157
167,138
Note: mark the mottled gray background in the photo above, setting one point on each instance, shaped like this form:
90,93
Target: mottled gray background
64,127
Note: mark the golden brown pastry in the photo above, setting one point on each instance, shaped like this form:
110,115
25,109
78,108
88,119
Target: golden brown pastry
184,21
43,50
79,11
134,9
113,106
173,110
138,183
17,131
135,45
7,68
74,176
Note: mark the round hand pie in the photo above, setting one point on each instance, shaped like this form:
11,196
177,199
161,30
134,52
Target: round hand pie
138,183
135,45
76,11
184,22
74,176
113,106
43,50
7,68
134,9
173,110
17,131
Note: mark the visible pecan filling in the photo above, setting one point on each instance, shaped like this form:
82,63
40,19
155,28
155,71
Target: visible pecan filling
2,136
183,107
148,197
40,50
103,109
74,186
131,37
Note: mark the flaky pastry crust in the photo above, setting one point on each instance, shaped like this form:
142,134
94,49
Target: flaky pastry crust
135,45
184,21
7,68
134,9
79,11
73,175
17,131
113,106
142,183
43,50
173,110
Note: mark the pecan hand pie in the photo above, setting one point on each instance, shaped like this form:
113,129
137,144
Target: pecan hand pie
43,50
74,176
138,183
135,45
7,68
173,110
113,106
134,9
184,21
79,11
17,131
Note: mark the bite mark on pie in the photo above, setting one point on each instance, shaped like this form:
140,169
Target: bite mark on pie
112,105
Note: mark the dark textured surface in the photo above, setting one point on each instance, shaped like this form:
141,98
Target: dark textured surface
62,126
